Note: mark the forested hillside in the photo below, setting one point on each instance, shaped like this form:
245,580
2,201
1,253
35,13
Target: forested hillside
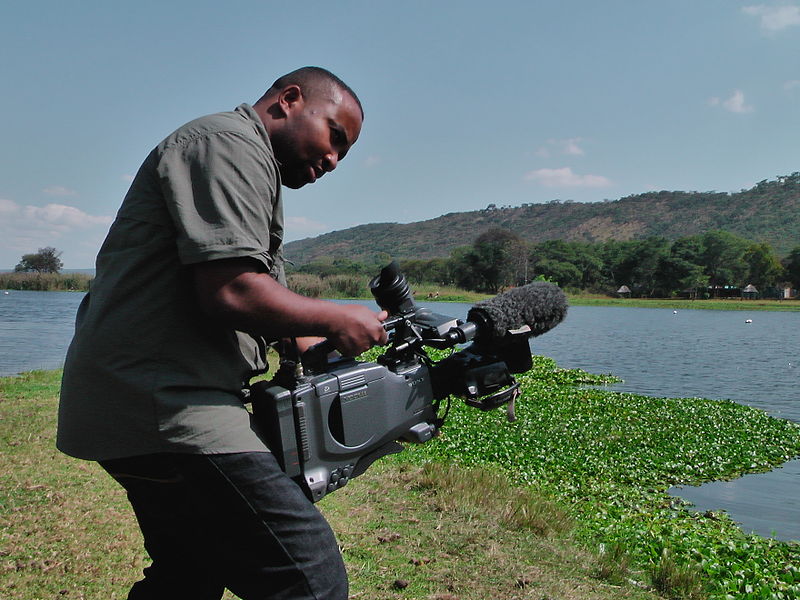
768,212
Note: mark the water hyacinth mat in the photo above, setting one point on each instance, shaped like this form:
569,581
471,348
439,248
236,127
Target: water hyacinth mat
611,457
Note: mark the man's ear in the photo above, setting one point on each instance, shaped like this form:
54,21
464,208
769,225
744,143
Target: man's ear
290,98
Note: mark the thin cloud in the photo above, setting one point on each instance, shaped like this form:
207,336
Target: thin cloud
371,161
774,18
59,190
25,228
735,103
568,147
565,177
62,217
304,227
8,207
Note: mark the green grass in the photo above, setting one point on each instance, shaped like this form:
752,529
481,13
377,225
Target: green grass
677,303
440,532
65,529
568,502
428,293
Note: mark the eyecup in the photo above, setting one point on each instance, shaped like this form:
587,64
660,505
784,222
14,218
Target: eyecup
391,290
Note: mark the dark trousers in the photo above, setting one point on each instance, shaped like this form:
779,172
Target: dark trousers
232,521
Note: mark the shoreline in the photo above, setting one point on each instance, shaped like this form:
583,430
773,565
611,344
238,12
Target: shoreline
739,304
579,299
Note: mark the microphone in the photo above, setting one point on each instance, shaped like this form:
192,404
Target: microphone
531,309
539,305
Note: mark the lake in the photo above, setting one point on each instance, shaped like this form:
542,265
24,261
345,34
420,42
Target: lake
35,329
658,352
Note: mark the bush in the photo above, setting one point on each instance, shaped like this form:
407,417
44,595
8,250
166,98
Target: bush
348,286
44,282
307,285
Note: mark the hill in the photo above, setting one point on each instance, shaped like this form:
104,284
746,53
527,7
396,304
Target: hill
768,212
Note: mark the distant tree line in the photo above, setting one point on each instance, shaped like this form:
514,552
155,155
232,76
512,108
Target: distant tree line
649,267
699,265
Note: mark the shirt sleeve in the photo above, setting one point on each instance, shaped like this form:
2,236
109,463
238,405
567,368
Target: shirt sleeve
223,195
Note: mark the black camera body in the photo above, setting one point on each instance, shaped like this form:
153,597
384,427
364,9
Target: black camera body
328,418
332,426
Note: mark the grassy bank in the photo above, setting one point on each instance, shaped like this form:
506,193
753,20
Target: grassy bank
678,303
353,286
567,502
45,282
357,287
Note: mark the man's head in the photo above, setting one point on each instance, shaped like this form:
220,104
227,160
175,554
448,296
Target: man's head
312,118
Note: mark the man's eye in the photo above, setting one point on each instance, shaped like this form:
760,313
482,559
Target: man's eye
337,136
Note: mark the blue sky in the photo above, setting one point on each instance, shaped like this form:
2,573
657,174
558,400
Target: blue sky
467,103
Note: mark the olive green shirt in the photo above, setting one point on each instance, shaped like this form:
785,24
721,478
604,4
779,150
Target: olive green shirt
146,371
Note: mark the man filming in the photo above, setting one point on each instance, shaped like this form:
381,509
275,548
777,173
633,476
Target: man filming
189,290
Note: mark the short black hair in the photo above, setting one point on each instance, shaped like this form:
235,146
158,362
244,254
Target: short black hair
310,78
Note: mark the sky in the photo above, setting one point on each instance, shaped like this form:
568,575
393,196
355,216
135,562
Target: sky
467,103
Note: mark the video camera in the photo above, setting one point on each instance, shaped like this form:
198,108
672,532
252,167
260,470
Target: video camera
327,418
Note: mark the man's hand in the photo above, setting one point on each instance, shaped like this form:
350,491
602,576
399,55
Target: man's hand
357,329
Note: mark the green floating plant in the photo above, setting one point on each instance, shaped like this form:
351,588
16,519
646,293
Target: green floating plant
612,456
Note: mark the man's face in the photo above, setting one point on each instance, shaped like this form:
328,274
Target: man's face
316,136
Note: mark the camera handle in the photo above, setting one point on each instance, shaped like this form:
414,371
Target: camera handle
317,358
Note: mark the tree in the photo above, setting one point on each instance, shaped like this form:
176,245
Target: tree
676,275
562,273
792,266
723,258
682,270
646,258
616,267
571,264
589,264
46,260
764,267
438,271
631,263
496,259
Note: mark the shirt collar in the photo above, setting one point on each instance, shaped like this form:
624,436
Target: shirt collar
250,114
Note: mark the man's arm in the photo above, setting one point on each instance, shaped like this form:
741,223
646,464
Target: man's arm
235,292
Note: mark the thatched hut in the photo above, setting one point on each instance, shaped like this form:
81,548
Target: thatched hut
750,292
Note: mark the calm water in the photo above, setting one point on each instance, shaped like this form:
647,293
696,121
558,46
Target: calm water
35,329
710,354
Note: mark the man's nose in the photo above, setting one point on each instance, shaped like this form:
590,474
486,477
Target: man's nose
329,161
